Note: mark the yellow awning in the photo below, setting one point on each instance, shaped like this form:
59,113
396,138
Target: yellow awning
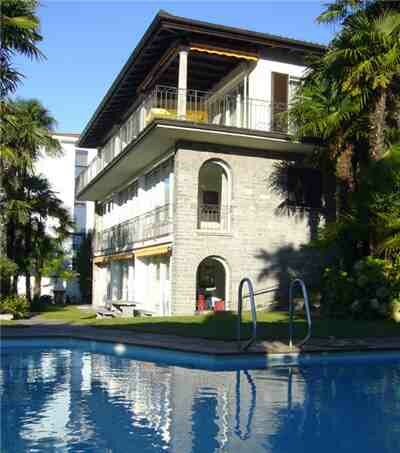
107,258
100,260
225,53
122,256
154,250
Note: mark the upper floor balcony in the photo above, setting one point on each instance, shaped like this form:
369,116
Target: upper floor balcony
127,235
234,110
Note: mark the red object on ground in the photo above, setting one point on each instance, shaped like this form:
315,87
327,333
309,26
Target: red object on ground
219,305
201,302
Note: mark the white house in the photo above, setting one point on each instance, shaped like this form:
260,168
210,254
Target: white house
190,140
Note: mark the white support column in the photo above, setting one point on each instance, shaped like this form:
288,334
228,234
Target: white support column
245,101
238,111
182,83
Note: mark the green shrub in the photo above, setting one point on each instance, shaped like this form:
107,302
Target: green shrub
366,292
395,309
39,303
15,305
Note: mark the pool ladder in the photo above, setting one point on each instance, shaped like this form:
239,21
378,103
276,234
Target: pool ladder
243,346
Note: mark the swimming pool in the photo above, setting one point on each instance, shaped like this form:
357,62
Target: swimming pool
82,396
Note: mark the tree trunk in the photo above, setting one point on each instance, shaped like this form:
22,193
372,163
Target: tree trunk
346,183
28,253
28,286
4,280
37,288
377,119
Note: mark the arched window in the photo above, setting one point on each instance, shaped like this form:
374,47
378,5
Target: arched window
214,196
212,284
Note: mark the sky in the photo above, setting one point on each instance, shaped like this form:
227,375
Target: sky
86,44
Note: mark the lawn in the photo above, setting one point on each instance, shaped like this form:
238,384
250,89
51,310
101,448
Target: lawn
222,326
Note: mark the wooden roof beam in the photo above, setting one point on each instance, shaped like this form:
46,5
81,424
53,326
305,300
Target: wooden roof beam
162,65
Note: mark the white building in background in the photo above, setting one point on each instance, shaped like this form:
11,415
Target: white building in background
61,172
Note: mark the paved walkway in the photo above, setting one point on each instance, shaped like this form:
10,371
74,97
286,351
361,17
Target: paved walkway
197,345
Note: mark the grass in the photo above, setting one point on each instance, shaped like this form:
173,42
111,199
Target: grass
222,326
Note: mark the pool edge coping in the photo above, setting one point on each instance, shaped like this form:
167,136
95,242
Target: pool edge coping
193,345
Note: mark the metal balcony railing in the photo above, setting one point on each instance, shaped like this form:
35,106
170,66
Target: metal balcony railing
151,225
213,217
194,106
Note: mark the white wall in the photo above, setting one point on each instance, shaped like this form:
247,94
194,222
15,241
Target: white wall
260,80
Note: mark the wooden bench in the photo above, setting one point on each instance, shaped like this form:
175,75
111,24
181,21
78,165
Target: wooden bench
124,309
104,312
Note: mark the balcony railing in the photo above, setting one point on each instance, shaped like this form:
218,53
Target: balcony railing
213,217
193,106
122,237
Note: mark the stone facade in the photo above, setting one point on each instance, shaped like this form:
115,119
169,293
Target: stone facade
263,241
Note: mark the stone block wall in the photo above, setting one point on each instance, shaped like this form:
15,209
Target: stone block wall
263,242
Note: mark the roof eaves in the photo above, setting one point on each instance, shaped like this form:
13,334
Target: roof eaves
118,79
164,16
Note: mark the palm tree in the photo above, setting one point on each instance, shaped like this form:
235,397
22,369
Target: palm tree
365,60
19,34
350,100
40,247
26,136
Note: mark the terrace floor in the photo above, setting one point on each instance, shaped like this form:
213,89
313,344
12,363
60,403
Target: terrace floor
194,334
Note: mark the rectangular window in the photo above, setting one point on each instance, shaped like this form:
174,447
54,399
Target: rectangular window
158,268
167,269
109,283
280,92
81,158
304,187
124,280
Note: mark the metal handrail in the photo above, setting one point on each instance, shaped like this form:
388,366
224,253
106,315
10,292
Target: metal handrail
291,309
248,343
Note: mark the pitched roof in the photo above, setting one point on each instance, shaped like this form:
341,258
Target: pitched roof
164,30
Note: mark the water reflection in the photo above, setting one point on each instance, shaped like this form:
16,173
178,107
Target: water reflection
74,401
253,392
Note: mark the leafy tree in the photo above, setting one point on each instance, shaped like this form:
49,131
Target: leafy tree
84,267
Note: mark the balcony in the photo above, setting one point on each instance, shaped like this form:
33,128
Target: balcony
194,106
213,218
122,237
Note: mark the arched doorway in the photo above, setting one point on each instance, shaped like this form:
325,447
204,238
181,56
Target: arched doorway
214,196
212,284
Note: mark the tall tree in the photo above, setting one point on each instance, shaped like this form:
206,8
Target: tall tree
84,267
47,227
350,96
20,34
350,99
27,137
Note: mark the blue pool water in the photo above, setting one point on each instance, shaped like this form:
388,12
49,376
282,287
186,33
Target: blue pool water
76,396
